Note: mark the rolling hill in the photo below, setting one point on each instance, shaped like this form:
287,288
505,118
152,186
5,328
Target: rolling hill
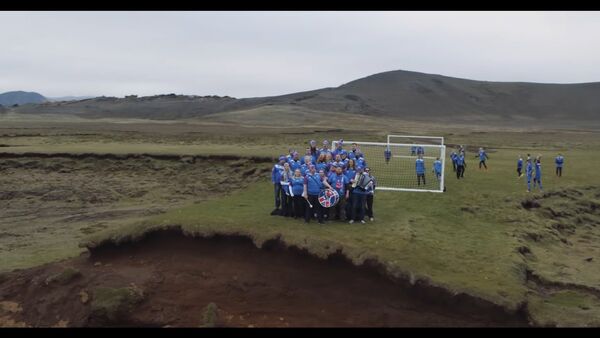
401,94
20,97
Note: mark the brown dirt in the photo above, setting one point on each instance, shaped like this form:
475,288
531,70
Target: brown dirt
271,287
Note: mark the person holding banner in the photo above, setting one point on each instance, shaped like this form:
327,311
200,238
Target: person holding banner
339,182
313,184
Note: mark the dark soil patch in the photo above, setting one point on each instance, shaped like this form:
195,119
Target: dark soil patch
177,278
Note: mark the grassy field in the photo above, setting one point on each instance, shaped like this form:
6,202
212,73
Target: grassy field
482,237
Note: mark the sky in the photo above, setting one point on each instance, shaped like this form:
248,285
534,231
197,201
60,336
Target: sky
250,54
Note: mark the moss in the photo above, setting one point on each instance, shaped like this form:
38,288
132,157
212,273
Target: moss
64,276
113,304
209,315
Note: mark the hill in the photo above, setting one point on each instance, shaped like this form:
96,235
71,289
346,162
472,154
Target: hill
401,94
20,97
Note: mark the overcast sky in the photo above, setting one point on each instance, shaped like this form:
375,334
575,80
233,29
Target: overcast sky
246,54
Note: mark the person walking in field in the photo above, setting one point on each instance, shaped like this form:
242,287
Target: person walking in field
370,194
520,166
482,157
298,202
453,157
420,168
460,166
387,154
538,172
276,180
559,161
529,172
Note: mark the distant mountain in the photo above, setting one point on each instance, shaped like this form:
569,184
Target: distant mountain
19,97
403,94
68,98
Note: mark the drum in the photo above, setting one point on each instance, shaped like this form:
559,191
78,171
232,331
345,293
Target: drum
328,198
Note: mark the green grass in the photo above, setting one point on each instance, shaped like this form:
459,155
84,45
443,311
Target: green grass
465,240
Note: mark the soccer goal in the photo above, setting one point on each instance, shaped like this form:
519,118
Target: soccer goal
393,164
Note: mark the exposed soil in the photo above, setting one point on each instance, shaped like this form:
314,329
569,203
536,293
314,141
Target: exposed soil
177,277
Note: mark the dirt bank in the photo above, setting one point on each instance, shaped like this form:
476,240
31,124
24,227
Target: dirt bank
168,279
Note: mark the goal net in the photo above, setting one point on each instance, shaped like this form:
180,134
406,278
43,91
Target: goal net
394,164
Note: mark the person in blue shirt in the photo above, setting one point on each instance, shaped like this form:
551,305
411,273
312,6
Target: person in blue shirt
437,168
370,194
359,195
286,193
325,148
313,184
420,151
482,157
559,161
350,174
453,157
297,185
290,154
304,167
339,149
340,183
387,154
314,152
321,162
295,162
420,168
275,179
360,160
460,165
520,166
529,173
413,150
538,173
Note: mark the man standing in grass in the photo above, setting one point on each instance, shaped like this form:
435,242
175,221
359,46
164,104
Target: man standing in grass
538,172
276,179
339,182
460,166
420,167
359,195
313,183
520,166
370,194
437,168
387,154
482,157
559,160
529,172
453,157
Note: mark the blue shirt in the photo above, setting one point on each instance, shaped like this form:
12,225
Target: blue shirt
314,183
482,155
350,173
321,165
387,154
559,161
420,150
460,160
294,164
420,165
529,169
538,170
338,182
297,185
437,166
520,163
304,169
276,173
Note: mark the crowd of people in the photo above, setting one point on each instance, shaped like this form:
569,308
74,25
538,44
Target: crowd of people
298,181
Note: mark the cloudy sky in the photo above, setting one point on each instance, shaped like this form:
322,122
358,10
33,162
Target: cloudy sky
246,54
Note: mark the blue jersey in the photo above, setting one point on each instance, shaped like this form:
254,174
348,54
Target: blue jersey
559,161
350,173
276,173
482,155
420,166
297,185
314,183
387,154
304,169
413,149
294,164
529,169
361,162
460,160
538,170
420,150
520,163
453,156
321,166
338,182
437,166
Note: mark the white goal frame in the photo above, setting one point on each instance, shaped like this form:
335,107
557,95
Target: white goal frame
384,145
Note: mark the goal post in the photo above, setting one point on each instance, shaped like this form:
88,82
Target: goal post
394,164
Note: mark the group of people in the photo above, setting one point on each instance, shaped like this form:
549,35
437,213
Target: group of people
459,164
535,166
298,182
